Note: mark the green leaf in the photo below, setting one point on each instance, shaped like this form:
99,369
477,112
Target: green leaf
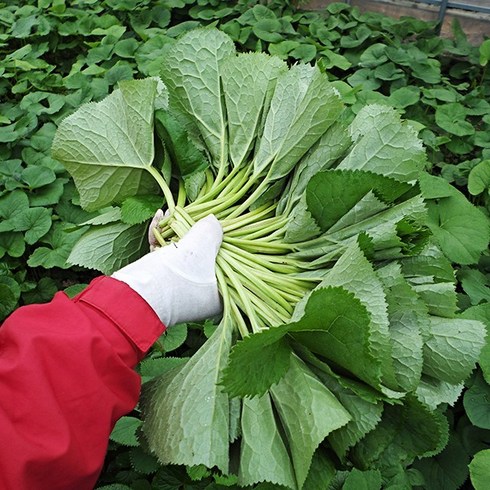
263,455
303,107
404,433
452,118
365,415
480,469
260,360
299,387
453,348
475,284
256,363
9,295
109,247
363,480
183,153
484,52
125,431
477,403
384,145
482,314
248,82
355,273
461,229
432,392
36,222
405,331
138,209
186,413
331,194
192,74
322,471
479,178
151,368
108,146
36,177
12,243
449,469
174,337
60,243
405,96
142,462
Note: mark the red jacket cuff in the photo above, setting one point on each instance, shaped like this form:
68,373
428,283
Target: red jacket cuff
132,315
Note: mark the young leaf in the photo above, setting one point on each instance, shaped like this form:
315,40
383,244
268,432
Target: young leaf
108,146
125,431
138,209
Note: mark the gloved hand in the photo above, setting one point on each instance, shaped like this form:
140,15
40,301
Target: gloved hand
178,281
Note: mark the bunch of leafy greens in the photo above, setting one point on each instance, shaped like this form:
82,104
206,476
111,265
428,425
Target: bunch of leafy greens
330,270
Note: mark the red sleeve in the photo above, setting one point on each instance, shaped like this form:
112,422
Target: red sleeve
66,377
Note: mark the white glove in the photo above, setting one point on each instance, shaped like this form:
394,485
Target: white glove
178,281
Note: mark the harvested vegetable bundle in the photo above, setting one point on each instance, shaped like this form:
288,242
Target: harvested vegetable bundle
328,270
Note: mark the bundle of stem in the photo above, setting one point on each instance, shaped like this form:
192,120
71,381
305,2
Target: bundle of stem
257,278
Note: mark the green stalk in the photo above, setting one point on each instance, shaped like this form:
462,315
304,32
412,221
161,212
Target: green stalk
164,186
259,245
240,290
252,198
230,308
254,216
254,283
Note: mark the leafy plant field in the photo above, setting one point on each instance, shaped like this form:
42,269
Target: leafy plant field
434,260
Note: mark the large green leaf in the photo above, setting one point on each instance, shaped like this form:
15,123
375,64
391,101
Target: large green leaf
384,145
186,412
263,455
108,146
248,83
462,230
298,393
356,274
191,70
453,348
405,432
109,247
260,360
303,107
331,194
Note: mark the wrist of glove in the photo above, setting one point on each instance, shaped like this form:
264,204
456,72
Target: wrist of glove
178,281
